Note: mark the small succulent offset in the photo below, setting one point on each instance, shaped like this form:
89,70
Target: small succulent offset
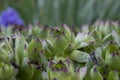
10,17
59,54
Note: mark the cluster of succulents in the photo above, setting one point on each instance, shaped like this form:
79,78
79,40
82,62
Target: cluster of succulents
60,53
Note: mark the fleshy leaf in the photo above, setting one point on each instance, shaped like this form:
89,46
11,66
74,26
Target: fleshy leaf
79,56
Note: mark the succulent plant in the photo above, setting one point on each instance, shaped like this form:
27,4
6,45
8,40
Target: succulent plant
60,54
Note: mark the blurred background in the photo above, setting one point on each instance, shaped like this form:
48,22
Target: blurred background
71,12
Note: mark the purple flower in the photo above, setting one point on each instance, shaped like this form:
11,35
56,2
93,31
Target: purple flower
10,17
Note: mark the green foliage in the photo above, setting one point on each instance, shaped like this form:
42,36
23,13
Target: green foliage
71,12
44,53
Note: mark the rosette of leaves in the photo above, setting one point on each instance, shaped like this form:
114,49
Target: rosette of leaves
35,61
5,57
103,31
104,62
62,68
97,66
18,61
58,41
103,68
63,42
